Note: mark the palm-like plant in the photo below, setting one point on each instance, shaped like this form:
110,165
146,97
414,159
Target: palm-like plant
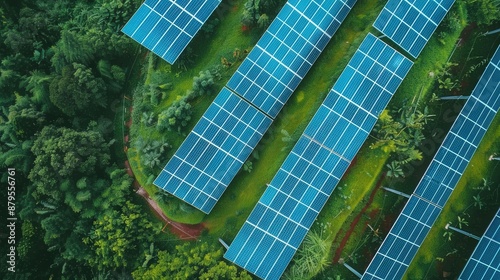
462,222
448,234
478,202
394,170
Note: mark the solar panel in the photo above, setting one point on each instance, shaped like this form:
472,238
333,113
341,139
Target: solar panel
287,50
299,190
485,260
300,22
410,23
166,26
403,241
459,146
214,151
442,175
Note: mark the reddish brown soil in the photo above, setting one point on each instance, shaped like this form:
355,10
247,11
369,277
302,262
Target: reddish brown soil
339,250
129,169
353,163
183,231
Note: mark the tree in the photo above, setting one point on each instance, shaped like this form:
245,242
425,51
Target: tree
78,91
71,48
26,118
394,170
462,222
263,21
190,261
33,27
203,84
38,83
478,201
63,156
401,135
118,238
312,256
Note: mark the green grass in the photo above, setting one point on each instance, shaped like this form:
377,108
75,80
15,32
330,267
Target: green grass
239,199
416,83
356,186
461,201
208,54
429,60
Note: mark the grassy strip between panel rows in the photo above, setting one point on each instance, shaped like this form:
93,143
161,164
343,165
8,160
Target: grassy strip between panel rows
349,198
460,202
240,197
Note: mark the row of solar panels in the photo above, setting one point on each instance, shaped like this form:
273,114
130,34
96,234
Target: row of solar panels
267,242
451,159
485,260
216,149
277,225
286,211
166,27
225,136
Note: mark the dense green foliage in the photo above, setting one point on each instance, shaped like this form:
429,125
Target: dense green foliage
61,68
190,261
64,67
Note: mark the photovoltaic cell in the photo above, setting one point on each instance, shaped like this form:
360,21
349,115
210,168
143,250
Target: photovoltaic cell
287,50
214,151
312,170
468,130
485,260
167,26
410,23
193,174
440,179
403,241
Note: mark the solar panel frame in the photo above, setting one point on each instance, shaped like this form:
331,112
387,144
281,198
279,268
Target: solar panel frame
214,151
410,23
287,50
317,162
166,27
447,166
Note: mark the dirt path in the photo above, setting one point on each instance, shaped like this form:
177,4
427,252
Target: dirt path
339,250
183,231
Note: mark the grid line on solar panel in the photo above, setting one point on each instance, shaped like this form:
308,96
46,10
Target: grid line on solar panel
166,27
309,174
448,164
411,23
403,240
376,68
482,102
214,151
484,262
285,53
327,148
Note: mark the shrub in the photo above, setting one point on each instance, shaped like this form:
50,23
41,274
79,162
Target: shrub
176,116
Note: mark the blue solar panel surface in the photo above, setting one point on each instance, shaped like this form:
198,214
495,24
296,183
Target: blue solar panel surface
403,241
287,50
410,23
285,212
485,260
297,19
457,149
214,151
443,173
167,26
